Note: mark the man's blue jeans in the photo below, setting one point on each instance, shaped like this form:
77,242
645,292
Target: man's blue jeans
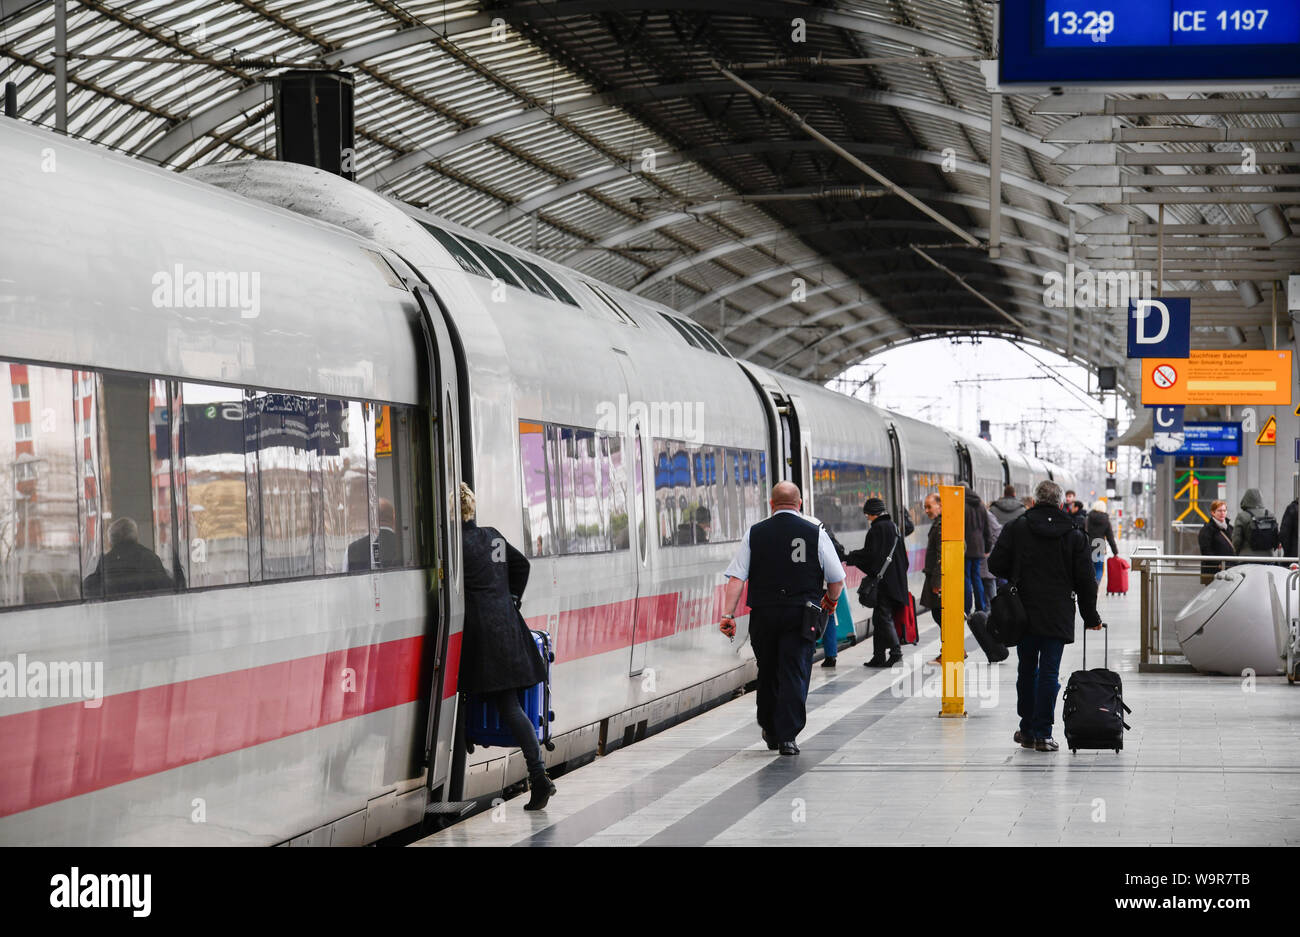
1037,683
975,583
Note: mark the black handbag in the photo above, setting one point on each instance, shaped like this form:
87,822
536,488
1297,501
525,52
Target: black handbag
870,584
1008,621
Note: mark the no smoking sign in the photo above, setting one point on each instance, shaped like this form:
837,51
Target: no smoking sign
1164,376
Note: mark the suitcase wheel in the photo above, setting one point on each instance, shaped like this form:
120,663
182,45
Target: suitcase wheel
550,746
469,748
550,716
550,657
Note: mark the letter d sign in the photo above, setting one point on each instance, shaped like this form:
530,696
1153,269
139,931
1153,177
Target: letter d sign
1159,328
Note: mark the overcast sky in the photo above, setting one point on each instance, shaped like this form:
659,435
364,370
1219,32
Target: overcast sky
957,385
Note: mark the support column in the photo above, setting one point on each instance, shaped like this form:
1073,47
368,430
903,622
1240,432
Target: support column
952,627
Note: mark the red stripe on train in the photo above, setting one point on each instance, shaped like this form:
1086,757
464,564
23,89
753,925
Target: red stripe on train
62,751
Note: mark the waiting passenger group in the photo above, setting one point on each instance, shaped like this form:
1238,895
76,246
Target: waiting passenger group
1254,532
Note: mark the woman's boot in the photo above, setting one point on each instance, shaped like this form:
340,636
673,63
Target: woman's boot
542,791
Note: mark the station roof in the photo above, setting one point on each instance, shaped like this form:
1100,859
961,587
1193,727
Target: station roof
631,140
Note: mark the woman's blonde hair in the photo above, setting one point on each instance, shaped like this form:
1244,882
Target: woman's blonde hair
467,502
1100,506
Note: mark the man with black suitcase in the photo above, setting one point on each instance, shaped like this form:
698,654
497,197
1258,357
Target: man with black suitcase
786,559
1047,558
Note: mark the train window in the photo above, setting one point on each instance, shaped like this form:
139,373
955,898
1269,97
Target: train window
574,490
638,486
683,332
530,282
538,538
401,488
128,541
841,488
219,505
692,502
920,484
347,481
463,256
499,270
560,292
701,333
619,313
38,485
284,447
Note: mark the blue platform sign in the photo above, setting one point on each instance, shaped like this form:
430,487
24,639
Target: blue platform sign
1207,439
1148,41
1159,328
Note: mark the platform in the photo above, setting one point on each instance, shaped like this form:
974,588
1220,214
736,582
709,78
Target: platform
1209,761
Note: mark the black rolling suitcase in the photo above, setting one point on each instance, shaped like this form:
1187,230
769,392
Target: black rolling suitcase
993,649
1094,709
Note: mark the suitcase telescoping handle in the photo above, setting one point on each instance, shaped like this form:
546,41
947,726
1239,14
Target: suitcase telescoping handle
1105,658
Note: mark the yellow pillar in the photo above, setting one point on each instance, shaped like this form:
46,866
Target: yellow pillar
952,625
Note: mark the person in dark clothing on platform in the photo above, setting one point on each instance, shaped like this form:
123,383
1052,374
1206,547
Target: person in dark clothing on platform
1078,514
128,568
1215,539
1047,558
786,559
1099,531
978,539
499,656
1290,528
882,538
931,589
1006,509
382,548
1252,509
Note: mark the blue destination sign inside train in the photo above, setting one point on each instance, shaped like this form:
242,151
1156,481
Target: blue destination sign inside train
1068,23
1059,41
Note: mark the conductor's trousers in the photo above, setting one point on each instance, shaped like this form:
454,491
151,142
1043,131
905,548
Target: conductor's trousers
784,661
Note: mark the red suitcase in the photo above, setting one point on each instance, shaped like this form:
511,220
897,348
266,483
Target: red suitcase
1116,576
905,622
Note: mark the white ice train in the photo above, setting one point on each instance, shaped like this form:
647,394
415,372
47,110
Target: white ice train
265,394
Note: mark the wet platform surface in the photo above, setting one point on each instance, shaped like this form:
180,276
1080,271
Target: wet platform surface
1209,761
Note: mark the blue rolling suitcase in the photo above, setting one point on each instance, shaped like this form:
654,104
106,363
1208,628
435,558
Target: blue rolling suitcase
483,722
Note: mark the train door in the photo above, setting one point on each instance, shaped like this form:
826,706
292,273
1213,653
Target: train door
638,523
801,447
447,600
965,470
899,473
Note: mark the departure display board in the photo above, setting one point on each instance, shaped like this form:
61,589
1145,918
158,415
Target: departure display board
1152,41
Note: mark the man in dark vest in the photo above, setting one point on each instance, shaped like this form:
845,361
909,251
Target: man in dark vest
789,562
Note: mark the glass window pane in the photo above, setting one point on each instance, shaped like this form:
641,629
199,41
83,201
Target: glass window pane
211,453
283,428
125,467
468,262
402,473
544,275
39,521
639,494
490,260
590,520
345,482
530,282
618,493
538,539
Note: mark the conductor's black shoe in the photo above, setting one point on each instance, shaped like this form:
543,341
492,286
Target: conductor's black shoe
829,662
771,746
789,748
543,790
894,658
876,662
1046,745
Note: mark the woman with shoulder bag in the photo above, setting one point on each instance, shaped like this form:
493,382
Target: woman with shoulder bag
499,656
1215,539
883,558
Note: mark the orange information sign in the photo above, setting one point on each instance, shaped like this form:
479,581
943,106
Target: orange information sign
1218,377
383,433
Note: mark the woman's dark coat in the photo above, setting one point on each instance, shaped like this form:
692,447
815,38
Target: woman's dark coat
498,652
1097,527
1053,561
1214,541
880,537
979,536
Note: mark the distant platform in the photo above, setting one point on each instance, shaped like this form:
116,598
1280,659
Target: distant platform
1209,761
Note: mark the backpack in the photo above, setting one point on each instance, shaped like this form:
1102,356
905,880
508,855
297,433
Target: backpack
1262,532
